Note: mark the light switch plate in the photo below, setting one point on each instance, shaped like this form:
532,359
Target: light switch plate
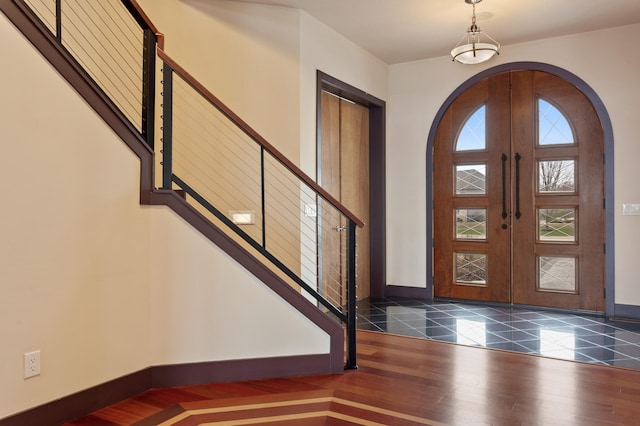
310,210
631,209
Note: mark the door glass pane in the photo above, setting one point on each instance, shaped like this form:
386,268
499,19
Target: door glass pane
557,224
471,268
472,137
553,127
471,224
557,273
471,179
556,176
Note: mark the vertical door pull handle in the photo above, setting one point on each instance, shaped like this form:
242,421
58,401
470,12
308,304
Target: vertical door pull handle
504,186
518,158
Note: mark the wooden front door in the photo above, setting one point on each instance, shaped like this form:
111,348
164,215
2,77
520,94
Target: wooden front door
518,195
344,173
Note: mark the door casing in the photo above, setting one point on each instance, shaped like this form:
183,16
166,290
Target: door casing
608,149
377,181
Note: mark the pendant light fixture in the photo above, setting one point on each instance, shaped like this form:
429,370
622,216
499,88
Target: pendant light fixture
475,51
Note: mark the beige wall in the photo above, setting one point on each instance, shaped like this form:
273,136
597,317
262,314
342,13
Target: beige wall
101,285
247,55
321,48
418,89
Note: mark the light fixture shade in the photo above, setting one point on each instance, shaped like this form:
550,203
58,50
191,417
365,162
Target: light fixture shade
474,53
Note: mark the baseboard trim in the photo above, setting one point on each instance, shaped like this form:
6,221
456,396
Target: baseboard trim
83,402
410,292
239,370
87,401
626,312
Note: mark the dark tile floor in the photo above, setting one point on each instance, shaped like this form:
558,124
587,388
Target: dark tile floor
553,334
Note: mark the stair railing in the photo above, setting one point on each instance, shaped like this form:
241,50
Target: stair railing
114,43
236,178
226,170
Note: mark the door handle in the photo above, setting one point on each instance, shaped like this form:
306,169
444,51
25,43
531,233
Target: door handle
504,186
340,228
518,158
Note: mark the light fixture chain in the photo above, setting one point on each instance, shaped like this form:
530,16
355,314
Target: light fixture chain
473,16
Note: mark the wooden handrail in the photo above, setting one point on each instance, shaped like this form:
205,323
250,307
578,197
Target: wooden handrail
256,137
142,15
133,4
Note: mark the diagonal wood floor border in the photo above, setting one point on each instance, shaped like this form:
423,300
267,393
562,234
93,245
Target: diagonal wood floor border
407,380
299,407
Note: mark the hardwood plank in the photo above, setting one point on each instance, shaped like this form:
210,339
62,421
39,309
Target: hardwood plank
438,382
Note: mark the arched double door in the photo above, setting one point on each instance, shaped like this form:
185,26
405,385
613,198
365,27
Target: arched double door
519,194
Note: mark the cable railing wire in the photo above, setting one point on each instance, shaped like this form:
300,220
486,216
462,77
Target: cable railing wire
215,119
103,43
99,65
126,65
45,10
235,150
305,227
285,232
109,27
217,162
205,185
126,43
198,131
212,163
126,26
216,182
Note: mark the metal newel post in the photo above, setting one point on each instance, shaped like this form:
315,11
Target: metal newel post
167,126
263,202
59,21
352,314
149,87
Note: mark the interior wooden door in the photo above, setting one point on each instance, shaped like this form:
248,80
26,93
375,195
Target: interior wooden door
471,242
344,172
518,195
332,268
558,225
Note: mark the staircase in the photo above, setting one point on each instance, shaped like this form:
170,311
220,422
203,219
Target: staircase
217,173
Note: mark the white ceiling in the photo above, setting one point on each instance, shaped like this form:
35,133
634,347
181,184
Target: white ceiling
406,30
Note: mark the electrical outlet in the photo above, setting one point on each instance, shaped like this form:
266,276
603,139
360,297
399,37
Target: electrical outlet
31,364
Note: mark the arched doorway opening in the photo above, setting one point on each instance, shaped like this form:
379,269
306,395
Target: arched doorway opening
495,231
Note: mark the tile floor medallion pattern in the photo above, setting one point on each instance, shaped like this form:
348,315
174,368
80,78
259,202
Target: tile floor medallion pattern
569,336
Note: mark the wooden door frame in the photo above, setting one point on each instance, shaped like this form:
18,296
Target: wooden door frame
377,199
603,115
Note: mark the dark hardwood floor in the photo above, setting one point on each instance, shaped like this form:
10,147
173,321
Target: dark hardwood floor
404,381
